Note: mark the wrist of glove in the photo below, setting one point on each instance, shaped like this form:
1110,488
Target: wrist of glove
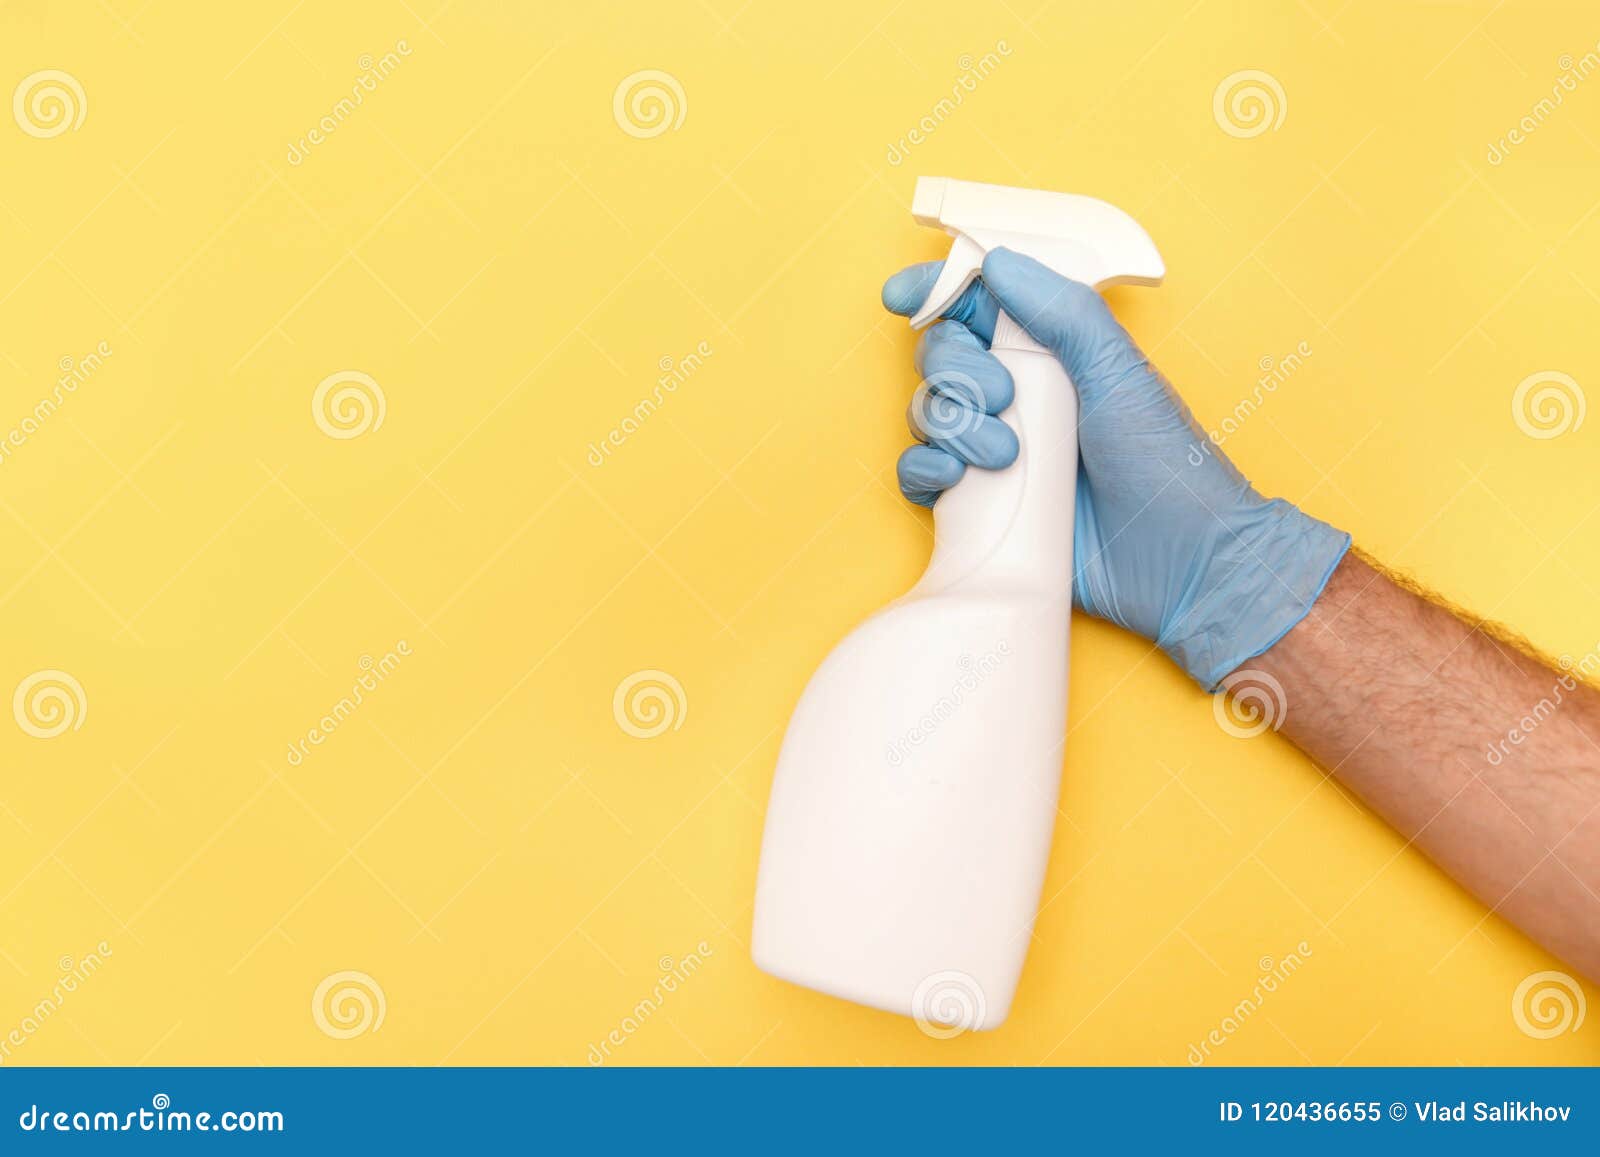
1260,578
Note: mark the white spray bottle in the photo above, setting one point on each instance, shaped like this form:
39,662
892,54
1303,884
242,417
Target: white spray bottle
910,820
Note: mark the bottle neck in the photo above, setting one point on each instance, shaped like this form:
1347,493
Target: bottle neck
1011,530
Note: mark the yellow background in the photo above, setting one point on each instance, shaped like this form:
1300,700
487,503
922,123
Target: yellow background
481,237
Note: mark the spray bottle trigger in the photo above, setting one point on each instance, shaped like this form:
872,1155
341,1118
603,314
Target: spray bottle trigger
961,269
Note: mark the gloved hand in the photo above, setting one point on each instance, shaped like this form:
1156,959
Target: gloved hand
1171,540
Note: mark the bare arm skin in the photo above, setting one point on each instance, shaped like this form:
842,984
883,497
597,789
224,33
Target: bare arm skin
1485,758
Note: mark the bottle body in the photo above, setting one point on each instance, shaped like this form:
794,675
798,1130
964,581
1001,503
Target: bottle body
910,821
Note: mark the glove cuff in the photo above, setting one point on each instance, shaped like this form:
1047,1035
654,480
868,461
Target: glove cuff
1259,584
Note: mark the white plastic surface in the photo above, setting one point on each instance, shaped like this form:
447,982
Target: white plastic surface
910,821
1079,237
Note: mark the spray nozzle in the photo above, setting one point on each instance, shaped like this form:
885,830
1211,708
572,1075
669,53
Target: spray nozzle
1079,237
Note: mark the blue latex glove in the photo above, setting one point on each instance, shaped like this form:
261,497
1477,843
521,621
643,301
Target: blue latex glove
1171,540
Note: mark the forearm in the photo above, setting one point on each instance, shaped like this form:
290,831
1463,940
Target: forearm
1487,760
